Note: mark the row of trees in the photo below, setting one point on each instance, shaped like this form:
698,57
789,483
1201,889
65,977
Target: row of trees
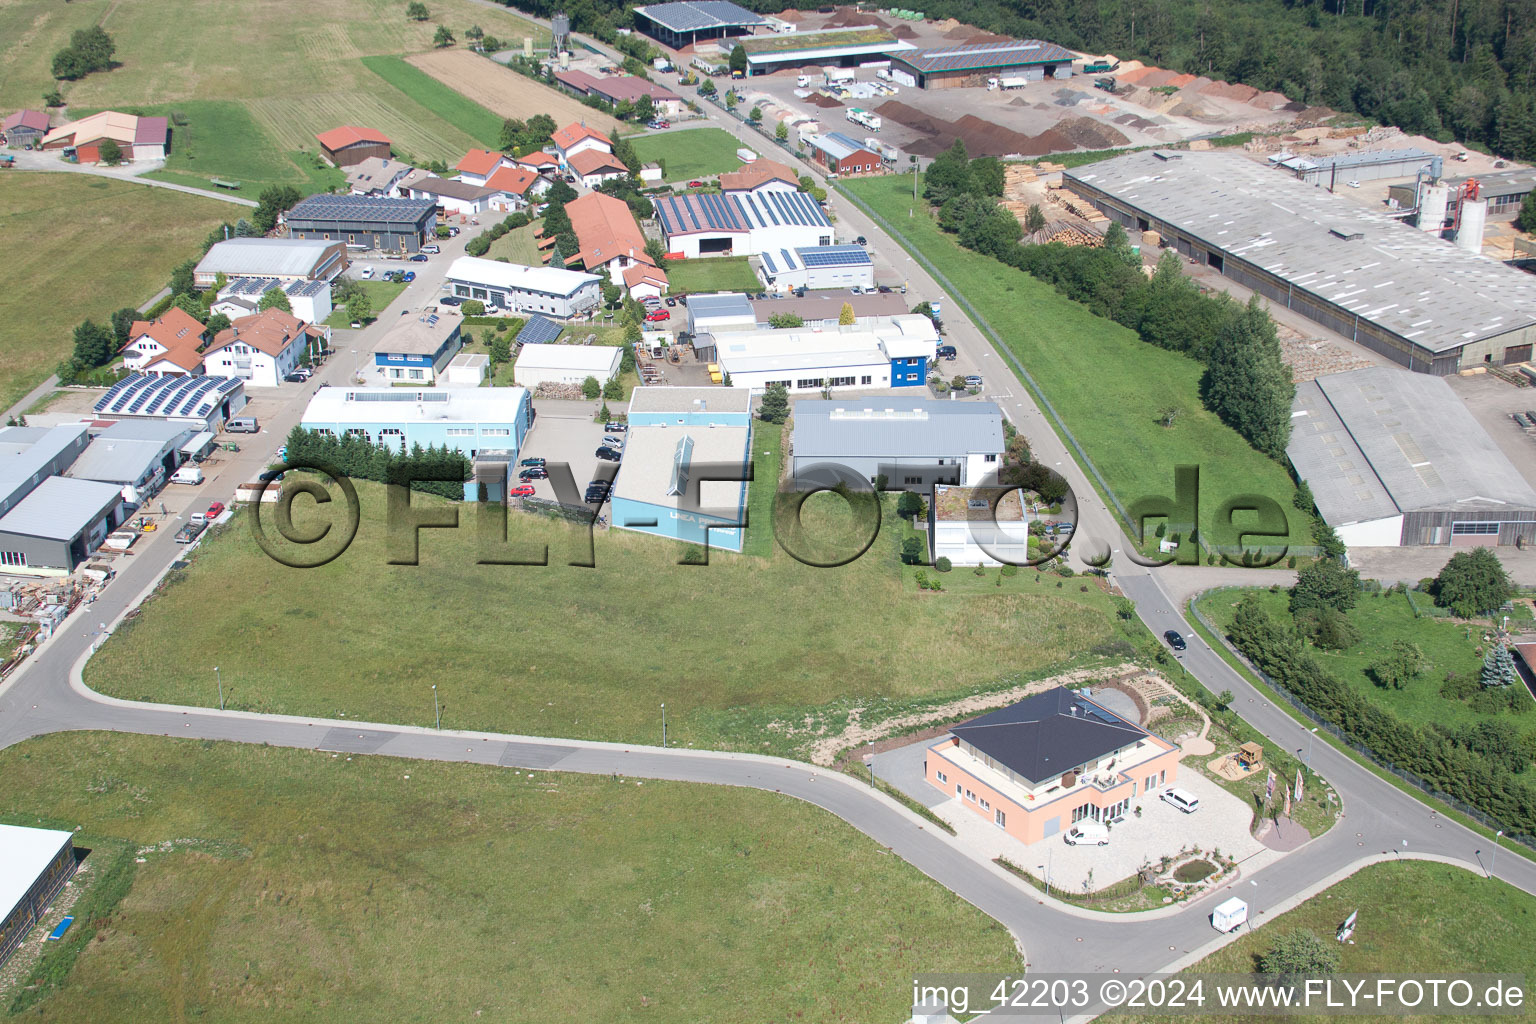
353,456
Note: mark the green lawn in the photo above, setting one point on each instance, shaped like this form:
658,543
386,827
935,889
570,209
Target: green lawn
101,243
712,274
1107,385
1382,619
297,886
582,652
380,295
458,110
1416,918
767,459
517,246
690,153
220,139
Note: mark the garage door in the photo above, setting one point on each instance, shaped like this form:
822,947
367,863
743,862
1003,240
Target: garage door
1053,826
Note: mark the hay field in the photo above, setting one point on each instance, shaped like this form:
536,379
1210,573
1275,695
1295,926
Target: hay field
507,92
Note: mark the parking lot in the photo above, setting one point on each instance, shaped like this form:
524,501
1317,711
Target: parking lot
565,432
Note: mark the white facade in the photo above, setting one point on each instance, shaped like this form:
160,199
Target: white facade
977,543
310,301
565,364
546,290
582,145
1374,533
467,369
895,354
252,365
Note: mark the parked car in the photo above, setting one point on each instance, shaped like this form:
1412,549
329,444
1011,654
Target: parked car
1183,799
695,184
366,273
947,352
614,428
242,425
215,510
453,232
295,377
656,315
973,381
1175,640
187,534
1088,833
267,476
861,240
430,250
450,300
533,462
418,258
615,442
884,289
491,309
671,301
408,276
521,491
534,473
609,455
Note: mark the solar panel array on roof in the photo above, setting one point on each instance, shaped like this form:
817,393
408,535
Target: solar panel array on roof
696,15
834,256
141,395
768,262
538,331
373,209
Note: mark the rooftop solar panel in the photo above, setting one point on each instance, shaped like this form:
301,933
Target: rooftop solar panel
538,331
768,262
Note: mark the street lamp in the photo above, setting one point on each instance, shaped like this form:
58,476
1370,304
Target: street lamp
1310,735
870,760
220,681
1495,858
437,712
663,725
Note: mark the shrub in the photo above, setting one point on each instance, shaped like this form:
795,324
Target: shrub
943,564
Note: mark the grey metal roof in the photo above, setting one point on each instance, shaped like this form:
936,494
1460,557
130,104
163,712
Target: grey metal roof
1497,183
721,304
681,400
696,15
264,257
896,428
1048,734
361,209
158,431
29,449
836,145
60,508
118,460
1344,161
1405,281
827,305
1374,442
985,55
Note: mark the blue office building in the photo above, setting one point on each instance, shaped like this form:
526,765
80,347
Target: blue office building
466,419
418,348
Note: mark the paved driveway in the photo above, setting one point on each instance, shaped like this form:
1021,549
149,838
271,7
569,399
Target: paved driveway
566,432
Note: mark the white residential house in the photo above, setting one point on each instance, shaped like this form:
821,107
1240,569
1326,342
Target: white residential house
979,525
514,188
263,348
479,164
167,346
578,138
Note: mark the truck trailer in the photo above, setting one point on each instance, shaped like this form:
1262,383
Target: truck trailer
863,117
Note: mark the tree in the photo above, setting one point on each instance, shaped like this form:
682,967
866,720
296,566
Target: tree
1326,583
613,389
949,175
359,307
1034,219
909,504
245,229
1473,583
1299,953
987,176
1328,628
845,316
775,404
110,152
1498,668
706,88
738,60
656,249
93,345
559,194
500,349
1526,221
1402,663
781,131
184,279
612,293
645,107
417,11
755,114
442,37
912,551
67,66
217,323
89,49
273,201
472,307
122,325
474,32
274,298
725,380
1119,243
590,388
731,99
1247,384
192,304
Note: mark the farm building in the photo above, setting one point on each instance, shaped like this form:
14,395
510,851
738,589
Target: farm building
1399,291
952,67
24,127
56,526
1335,172
138,138
310,301
547,290
891,355
565,364
349,145
1503,191
842,154
169,345
137,455
621,88
197,399
761,175
369,222
263,348
34,865
464,419
685,22
607,233
286,259
376,176
834,47
1036,768
822,266
448,195
680,444
913,443
418,348
1396,459
31,454
741,223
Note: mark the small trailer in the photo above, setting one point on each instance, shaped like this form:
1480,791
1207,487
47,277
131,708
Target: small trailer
1230,916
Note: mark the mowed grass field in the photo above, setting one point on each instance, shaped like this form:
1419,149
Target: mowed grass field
1417,919
222,135
712,274
302,887
1107,384
296,66
750,653
517,246
690,153
79,247
507,93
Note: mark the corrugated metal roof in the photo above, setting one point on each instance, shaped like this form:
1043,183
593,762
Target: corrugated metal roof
984,55
896,428
264,257
361,209
59,508
28,449
696,15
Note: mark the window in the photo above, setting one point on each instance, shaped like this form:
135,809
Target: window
841,382
396,372
941,776
460,431
417,375
984,805
392,435
866,379
351,238
991,458
497,432
357,432
970,796
1001,818
808,383
1479,529
13,558
912,480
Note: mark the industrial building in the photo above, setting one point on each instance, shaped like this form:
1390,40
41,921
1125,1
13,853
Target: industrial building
1503,191
680,443
913,443
137,138
1347,169
466,420
24,128
29,455
350,145
684,23
843,154
565,364
34,865
369,222
727,312
833,47
895,354
204,400
741,223
822,266
137,456
286,259
309,300
971,65
417,348
1396,459
549,291
1423,302
56,526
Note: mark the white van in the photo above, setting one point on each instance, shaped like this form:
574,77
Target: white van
1183,799
242,425
1088,833
187,475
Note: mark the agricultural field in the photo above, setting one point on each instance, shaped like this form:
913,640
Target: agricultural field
284,884
296,67
712,274
224,131
1416,918
690,153
1108,386
103,242
596,650
507,93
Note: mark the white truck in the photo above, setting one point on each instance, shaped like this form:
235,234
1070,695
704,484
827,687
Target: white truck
1230,915
859,116
1007,82
838,76
662,64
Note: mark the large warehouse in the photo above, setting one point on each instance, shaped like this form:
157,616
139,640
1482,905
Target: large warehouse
913,443
34,865
465,419
686,22
204,400
1344,169
951,67
1396,459
32,454
371,222
1503,191
549,291
837,47
565,364
741,223
1396,290
821,266
895,354
57,525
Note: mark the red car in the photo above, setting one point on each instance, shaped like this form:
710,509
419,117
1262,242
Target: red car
659,314
695,184
215,510
521,491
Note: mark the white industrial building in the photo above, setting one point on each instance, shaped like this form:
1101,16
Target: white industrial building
29,455
467,420
913,443
565,364
741,223
137,455
34,865
822,266
287,259
512,286
891,355
309,300
979,525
